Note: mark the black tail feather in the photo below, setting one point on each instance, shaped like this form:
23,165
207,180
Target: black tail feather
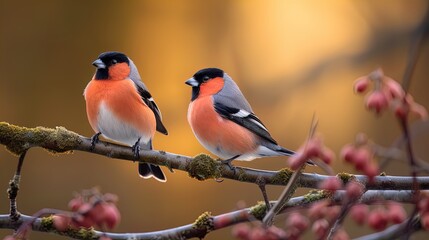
147,170
286,151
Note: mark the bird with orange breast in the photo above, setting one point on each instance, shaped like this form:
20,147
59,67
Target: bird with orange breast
223,121
120,108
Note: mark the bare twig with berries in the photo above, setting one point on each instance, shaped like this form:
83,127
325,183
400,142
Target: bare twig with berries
75,224
404,107
297,163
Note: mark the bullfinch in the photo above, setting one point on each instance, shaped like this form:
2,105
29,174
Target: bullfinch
223,121
120,107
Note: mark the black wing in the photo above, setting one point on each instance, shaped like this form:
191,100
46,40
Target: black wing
147,98
245,119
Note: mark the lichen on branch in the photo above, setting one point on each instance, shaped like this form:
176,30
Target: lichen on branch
18,139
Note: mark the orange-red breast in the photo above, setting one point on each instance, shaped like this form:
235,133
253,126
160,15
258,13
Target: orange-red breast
120,107
223,121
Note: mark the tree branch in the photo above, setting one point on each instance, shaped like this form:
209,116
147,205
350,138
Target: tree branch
205,223
202,167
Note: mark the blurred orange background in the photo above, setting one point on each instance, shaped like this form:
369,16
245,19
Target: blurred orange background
292,59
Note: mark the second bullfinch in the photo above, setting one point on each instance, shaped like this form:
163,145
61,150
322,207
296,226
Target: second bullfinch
223,121
120,107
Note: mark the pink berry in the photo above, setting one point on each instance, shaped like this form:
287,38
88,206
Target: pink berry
401,110
348,153
327,155
362,158
377,101
83,221
96,213
320,227
297,160
354,190
341,234
423,204
333,212
257,233
298,221
105,214
314,147
75,203
371,170
377,219
275,233
241,231
359,213
394,88
396,212
318,209
331,184
84,208
61,222
361,84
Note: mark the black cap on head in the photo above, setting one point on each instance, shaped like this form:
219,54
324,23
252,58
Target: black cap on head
207,73
110,58
200,77
107,59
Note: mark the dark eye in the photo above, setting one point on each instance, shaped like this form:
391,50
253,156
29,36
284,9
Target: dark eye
205,78
114,61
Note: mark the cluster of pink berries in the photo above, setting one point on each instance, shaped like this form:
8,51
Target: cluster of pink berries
353,189
360,155
387,93
379,217
312,149
319,213
320,216
91,209
243,231
322,213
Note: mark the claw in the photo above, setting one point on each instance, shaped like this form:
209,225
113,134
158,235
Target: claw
94,140
218,180
229,163
136,149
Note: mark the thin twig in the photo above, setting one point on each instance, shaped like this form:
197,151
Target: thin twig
290,187
14,188
284,197
396,231
406,81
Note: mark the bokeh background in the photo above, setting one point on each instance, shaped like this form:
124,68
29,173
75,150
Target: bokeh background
292,59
